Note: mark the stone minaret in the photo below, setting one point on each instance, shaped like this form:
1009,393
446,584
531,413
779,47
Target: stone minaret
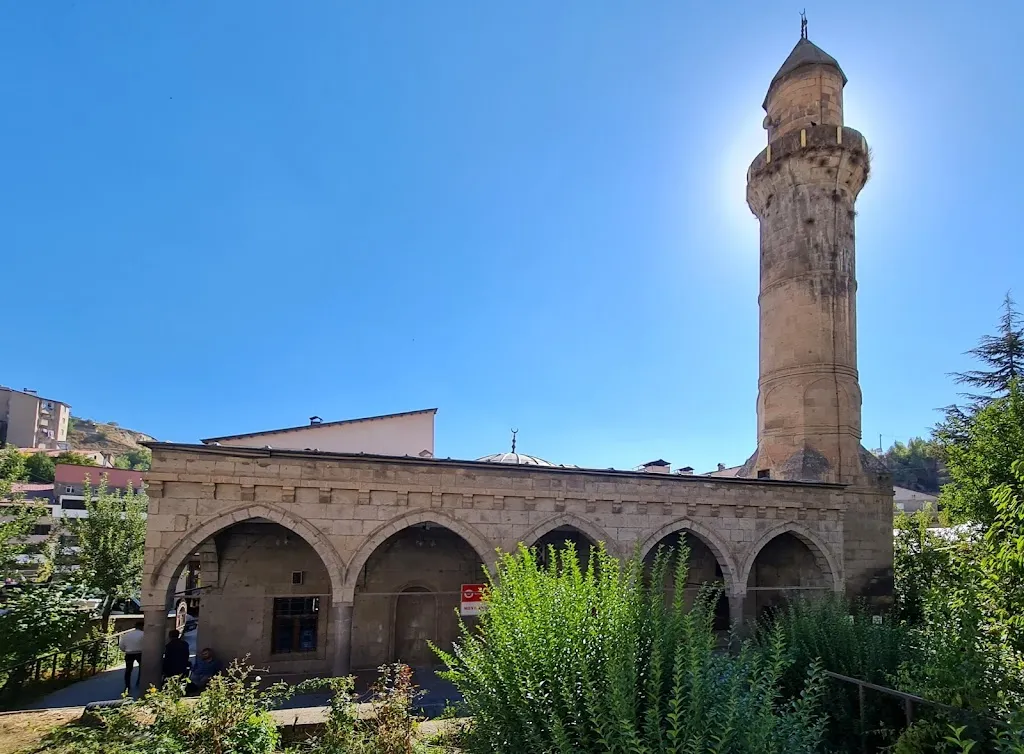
803,188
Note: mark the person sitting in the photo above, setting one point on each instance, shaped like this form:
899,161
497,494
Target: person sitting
176,656
204,668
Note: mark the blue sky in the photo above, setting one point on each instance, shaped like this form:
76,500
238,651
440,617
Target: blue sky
223,217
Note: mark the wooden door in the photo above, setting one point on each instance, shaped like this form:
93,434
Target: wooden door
415,625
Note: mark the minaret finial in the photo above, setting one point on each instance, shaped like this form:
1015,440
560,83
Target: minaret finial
803,24
514,433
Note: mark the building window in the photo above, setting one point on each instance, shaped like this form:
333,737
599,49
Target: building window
72,505
69,490
41,530
764,474
295,624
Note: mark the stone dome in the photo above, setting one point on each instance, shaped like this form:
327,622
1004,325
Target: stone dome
517,458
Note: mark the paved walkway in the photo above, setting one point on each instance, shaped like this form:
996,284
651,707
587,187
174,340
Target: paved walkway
102,687
107,686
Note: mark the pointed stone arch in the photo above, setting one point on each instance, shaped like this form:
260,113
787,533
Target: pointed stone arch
163,575
730,569
483,548
823,556
591,530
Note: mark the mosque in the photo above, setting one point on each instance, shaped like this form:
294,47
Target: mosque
336,546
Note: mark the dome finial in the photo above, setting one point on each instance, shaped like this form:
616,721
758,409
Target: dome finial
514,433
803,24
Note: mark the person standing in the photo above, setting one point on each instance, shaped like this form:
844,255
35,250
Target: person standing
176,655
130,644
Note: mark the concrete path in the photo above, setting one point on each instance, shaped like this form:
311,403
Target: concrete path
102,687
107,686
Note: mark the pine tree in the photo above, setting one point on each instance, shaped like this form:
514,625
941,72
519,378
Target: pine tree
1003,354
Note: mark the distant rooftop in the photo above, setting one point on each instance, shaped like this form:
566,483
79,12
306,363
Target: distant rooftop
317,423
722,471
34,394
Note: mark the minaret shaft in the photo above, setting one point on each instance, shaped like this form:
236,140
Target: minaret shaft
803,188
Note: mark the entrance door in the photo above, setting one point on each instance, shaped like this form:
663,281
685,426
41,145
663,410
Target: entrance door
415,625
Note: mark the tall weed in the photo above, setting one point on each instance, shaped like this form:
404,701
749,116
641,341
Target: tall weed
230,716
844,639
567,659
388,728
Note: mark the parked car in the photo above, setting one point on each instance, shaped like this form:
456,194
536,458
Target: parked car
132,606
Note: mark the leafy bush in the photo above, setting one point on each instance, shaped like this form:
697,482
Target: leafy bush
389,728
845,640
598,660
38,618
229,717
956,651
945,656
232,717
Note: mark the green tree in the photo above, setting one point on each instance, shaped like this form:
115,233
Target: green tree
979,452
76,459
12,464
1002,357
16,521
1003,563
39,467
924,564
111,543
38,618
139,459
916,465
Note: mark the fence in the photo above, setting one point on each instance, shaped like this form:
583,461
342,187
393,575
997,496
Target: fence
908,702
57,668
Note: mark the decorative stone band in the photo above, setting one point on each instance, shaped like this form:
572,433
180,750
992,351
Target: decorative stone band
803,370
813,137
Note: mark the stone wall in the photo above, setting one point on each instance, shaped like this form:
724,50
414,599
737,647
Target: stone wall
256,562
432,564
346,507
809,96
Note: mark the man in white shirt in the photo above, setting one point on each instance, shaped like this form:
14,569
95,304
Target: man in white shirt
131,644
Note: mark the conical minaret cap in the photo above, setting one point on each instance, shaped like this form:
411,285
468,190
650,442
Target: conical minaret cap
806,53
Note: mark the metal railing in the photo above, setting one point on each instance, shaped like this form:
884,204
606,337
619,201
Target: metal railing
59,667
908,702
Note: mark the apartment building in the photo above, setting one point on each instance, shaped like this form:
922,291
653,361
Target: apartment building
40,495
65,498
69,483
30,421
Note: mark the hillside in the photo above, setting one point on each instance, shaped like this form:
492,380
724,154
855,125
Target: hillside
85,434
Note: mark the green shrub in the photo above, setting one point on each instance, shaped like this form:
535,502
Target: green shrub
229,717
845,639
598,660
232,717
389,728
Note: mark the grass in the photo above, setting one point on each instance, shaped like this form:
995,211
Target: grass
22,731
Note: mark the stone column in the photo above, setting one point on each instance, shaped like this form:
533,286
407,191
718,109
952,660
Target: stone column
736,616
341,634
153,641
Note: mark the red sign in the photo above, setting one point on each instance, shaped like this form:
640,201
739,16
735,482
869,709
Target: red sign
472,598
